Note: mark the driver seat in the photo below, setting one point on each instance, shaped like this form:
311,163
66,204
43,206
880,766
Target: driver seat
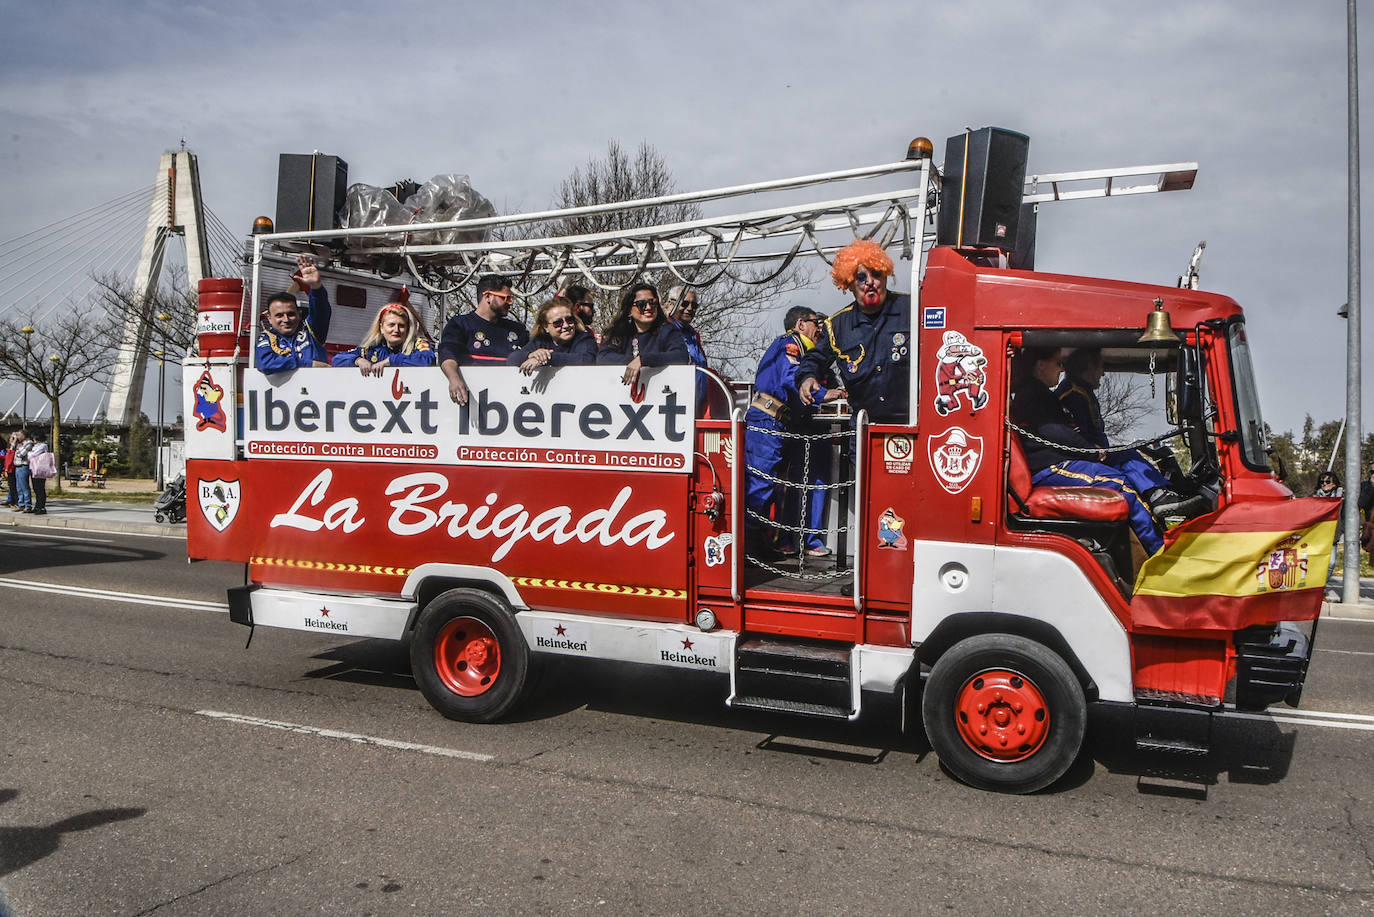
1096,517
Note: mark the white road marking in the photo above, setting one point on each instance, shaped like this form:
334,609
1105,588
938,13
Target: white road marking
136,598
13,529
1357,721
1346,652
30,535
348,736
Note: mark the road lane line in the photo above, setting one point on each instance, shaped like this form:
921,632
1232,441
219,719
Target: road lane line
348,736
28,536
1355,717
136,598
1299,721
1346,652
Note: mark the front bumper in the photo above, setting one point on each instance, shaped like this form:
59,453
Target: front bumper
1271,665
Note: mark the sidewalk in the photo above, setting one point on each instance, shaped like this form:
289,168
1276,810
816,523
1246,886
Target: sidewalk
138,519
69,513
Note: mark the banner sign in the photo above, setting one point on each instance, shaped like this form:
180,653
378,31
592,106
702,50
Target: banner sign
571,417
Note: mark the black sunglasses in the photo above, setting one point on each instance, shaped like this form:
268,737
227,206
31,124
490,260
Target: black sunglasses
560,322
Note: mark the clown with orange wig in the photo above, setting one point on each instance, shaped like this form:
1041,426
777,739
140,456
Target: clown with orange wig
869,341
394,339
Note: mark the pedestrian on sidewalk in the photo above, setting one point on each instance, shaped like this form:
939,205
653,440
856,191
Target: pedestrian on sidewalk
12,494
42,465
22,446
1330,487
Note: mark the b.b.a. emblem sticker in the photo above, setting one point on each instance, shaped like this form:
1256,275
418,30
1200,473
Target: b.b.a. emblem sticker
219,501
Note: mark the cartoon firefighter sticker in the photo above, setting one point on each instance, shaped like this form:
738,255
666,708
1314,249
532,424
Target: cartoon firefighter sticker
959,372
207,410
890,530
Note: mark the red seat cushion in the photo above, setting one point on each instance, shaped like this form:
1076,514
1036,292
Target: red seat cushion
1090,504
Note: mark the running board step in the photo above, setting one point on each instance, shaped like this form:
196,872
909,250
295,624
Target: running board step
793,676
781,705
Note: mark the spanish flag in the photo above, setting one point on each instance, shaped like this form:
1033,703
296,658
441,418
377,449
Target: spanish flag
1249,563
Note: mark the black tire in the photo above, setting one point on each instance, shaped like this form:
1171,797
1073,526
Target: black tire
158,517
1004,713
468,656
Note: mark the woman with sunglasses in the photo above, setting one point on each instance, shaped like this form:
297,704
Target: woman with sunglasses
1330,486
393,340
559,339
640,336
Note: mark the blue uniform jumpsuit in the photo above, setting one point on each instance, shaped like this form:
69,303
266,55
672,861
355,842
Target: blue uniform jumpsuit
277,353
778,456
1080,401
1035,408
422,355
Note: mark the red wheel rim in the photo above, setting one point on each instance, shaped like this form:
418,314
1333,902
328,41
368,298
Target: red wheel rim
1002,716
467,656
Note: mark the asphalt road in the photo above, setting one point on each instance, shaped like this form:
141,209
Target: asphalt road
153,765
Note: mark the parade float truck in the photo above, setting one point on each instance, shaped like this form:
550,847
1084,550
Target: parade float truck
564,514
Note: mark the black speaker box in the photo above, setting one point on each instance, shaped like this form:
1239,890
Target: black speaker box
1023,256
310,191
985,171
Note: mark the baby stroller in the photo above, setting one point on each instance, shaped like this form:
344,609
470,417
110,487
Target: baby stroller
171,506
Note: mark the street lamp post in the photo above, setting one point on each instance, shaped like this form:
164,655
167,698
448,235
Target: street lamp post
28,338
162,318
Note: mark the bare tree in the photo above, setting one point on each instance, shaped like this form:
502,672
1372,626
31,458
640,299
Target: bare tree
173,298
73,346
1125,401
731,318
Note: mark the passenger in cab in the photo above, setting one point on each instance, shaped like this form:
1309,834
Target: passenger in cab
292,337
639,336
484,336
869,341
1083,372
1059,455
394,339
559,339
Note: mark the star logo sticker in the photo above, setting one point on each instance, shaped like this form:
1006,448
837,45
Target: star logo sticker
560,630
324,612
686,643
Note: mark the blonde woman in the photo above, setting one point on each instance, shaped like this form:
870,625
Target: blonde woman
559,339
394,339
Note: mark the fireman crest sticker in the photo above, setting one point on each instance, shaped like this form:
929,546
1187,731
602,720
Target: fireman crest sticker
960,372
219,501
954,457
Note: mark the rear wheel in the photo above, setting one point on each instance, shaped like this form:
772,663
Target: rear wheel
468,656
1004,713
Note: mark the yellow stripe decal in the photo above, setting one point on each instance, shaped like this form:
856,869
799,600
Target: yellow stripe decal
607,588
1239,563
528,581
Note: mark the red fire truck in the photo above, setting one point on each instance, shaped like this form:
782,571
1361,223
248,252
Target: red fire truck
565,514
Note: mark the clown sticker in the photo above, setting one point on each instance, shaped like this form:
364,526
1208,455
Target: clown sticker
207,409
960,371
954,457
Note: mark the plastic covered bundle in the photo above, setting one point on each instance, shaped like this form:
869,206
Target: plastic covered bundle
444,198
441,199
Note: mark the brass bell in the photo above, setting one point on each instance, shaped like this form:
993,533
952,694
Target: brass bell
1157,327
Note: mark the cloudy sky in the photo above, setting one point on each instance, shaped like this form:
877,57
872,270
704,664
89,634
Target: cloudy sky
516,94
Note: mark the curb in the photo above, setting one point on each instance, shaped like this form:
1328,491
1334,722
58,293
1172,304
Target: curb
1341,610
98,525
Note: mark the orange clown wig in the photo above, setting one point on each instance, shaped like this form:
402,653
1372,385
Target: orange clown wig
863,252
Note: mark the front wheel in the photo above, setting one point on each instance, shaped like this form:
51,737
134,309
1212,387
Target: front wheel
158,517
468,656
1004,713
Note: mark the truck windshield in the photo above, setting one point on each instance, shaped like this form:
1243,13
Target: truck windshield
1254,444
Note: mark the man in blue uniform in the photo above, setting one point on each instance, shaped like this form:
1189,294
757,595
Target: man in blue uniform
680,308
869,341
292,338
777,409
1083,371
482,337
